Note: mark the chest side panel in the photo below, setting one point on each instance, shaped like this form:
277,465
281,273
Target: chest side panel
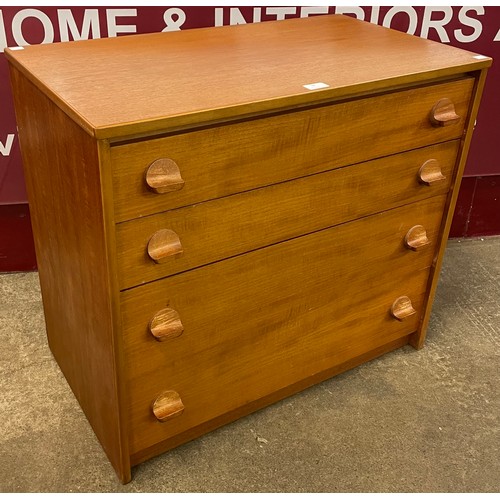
63,182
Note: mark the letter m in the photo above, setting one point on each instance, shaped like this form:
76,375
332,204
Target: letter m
68,25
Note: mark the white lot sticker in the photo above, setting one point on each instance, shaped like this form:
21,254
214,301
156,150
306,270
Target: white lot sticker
316,86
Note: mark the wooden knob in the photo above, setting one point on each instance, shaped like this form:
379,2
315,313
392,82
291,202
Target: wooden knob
164,243
167,405
163,176
416,238
430,172
166,324
443,113
402,308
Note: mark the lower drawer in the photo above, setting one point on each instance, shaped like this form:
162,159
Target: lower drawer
246,327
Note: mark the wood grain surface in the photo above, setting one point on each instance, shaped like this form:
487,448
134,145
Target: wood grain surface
219,161
264,320
236,224
61,167
146,83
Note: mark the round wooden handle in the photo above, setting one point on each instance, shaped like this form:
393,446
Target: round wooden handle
163,176
164,243
416,238
402,308
166,324
167,405
443,113
430,172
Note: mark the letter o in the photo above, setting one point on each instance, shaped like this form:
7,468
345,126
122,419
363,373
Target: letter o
24,14
412,18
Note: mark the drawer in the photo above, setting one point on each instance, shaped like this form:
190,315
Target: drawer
244,327
177,240
222,160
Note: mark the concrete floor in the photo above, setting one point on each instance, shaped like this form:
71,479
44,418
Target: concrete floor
411,421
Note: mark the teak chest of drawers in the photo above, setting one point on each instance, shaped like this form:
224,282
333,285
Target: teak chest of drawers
215,233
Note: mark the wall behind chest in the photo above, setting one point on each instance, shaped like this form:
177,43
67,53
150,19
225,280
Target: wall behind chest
473,28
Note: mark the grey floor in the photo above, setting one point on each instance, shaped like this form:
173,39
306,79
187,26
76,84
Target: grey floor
411,421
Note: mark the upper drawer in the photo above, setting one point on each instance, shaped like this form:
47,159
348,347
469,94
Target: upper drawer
221,160
176,240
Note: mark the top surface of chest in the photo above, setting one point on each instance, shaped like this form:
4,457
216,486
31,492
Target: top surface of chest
118,87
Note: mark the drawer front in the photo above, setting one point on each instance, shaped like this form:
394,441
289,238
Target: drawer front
214,230
219,161
248,326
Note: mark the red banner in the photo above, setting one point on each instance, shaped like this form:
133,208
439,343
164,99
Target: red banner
473,28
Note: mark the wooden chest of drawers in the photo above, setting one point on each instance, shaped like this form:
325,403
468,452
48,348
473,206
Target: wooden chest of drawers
225,216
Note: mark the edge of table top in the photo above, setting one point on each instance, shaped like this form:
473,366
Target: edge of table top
264,67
